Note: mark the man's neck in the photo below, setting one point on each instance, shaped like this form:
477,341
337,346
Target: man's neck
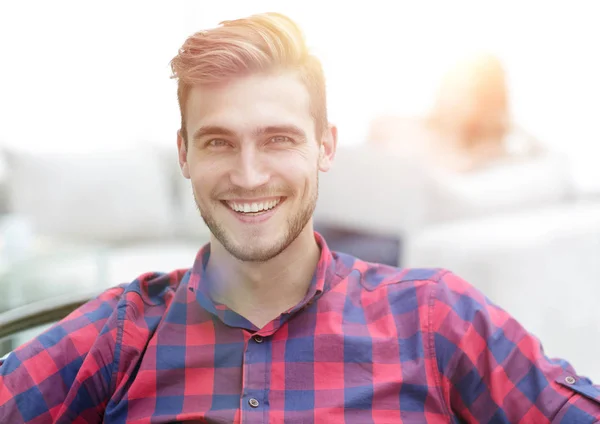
261,291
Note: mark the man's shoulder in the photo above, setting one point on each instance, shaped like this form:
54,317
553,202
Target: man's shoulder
374,276
153,288
443,284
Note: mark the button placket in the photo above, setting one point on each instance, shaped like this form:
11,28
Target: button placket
254,389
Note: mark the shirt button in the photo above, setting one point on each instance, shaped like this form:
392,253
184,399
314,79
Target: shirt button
253,403
570,380
258,339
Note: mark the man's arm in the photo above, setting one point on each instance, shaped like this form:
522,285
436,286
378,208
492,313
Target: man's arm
493,370
66,371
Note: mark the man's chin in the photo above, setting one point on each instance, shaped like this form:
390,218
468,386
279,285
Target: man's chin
257,243
252,253
247,246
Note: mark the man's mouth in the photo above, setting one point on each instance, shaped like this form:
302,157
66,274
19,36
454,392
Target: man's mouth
253,208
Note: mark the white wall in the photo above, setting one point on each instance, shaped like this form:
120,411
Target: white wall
78,75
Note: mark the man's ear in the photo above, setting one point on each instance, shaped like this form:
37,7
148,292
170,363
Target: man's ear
328,148
182,154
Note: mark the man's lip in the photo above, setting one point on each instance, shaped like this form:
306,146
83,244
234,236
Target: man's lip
258,200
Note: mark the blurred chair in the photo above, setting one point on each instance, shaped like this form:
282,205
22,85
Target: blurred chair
502,188
367,196
370,190
115,196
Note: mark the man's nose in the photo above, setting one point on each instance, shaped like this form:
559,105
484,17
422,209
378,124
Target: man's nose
249,171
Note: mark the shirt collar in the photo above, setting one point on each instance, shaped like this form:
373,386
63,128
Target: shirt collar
323,278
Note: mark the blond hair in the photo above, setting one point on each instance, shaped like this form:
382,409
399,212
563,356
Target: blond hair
266,42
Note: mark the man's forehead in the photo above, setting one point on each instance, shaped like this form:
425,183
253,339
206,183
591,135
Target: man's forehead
283,88
248,103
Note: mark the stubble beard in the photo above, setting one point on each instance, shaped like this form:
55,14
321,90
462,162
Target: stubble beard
245,252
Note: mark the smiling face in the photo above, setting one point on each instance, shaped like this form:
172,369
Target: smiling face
253,160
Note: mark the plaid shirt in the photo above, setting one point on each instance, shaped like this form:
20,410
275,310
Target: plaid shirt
368,344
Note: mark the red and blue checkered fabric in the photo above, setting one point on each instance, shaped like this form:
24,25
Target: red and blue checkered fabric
368,344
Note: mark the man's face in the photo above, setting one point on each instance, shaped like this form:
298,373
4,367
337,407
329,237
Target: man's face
253,160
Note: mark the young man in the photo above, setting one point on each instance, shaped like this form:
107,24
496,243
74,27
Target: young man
269,325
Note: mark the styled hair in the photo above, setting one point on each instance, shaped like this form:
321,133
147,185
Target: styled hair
267,42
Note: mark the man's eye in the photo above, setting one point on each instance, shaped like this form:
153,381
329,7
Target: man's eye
281,139
217,142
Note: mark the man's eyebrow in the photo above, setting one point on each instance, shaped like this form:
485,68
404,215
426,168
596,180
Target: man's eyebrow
215,130
280,129
212,130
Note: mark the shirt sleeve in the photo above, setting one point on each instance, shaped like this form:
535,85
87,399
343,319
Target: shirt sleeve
493,370
65,373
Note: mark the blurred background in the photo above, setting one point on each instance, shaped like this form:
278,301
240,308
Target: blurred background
469,140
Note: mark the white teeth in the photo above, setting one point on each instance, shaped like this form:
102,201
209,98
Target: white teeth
253,207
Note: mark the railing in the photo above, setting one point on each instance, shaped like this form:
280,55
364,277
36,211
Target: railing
39,313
